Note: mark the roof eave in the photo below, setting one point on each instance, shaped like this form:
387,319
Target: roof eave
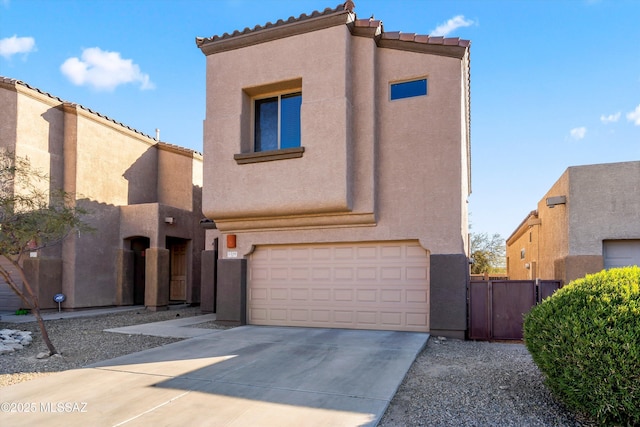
452,51
275,32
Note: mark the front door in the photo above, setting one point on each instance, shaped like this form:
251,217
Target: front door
178,282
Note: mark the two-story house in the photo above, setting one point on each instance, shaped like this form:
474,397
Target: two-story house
337,172
143,197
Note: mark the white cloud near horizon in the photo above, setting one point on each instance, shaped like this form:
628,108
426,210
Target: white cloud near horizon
104,70
451,25
578,133
10,46
634,116
611,118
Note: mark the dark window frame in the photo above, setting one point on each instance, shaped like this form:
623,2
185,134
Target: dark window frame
408,89
273,130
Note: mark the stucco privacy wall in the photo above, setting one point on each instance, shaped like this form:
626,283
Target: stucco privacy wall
109,168
371,170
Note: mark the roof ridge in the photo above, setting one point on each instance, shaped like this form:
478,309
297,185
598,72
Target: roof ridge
347,6
12,81
423,38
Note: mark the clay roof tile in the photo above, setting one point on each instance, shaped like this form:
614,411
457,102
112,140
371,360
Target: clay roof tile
407,37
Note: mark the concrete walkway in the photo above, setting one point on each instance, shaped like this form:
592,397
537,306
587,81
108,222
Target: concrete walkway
175,328
246,376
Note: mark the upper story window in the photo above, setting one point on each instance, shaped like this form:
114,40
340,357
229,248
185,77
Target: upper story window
408,89
277,122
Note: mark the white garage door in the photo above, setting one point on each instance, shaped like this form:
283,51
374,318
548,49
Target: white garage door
621,253
378,285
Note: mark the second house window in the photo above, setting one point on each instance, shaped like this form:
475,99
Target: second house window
277,122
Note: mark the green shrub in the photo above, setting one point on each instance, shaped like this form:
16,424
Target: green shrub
586,341
21,312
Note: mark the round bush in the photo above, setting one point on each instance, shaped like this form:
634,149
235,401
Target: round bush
586,340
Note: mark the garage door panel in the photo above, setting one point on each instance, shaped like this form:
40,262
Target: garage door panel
300,294
321,273
621,253
279,294
258,314
391,252
391,295
377,285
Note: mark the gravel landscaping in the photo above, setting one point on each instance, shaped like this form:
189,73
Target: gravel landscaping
82,341
451,383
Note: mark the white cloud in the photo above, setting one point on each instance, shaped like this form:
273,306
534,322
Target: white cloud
634,116
611,118
451,25
104,70
578,133
12,45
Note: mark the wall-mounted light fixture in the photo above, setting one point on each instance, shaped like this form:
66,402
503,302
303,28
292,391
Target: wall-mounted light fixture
169,220
557,200
207,224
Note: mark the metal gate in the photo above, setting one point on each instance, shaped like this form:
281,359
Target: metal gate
497,307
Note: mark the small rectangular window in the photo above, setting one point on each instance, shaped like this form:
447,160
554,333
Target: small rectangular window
277,122
408,89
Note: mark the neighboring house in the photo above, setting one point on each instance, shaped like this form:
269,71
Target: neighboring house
337,171
589,220
144,199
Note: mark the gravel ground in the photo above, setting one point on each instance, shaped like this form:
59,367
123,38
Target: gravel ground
451,383
473,383
82,341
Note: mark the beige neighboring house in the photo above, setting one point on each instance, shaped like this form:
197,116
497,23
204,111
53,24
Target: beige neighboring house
587,221
144,199
337,171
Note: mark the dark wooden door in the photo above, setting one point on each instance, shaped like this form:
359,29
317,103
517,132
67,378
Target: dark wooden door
178,282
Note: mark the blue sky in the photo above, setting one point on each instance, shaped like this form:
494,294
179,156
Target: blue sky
553,83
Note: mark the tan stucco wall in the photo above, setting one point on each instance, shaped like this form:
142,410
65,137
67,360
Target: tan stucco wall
128,175
107,166
527,238
177,172
602,203
554,245
38,126
373,169
318,182
8,124
605,204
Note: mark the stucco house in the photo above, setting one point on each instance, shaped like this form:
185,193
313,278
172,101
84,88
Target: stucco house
337,172
143,198
587,221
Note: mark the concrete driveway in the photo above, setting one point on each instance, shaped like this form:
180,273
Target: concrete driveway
246,376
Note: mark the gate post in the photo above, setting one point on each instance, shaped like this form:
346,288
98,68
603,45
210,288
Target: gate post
232,291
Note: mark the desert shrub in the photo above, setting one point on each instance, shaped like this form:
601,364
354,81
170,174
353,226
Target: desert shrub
586,341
